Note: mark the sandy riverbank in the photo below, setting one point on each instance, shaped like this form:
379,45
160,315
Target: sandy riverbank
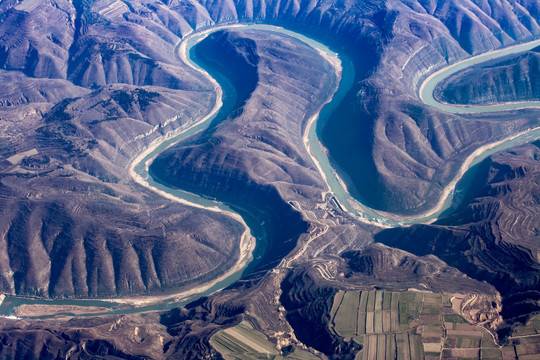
532,44
448,189
336,64
33,310
247,242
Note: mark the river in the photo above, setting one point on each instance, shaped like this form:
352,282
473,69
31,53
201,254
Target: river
427,88
336,186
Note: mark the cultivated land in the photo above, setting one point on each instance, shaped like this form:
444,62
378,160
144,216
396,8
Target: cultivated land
525,340
414,325
242,342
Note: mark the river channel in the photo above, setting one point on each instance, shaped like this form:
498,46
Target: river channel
336,186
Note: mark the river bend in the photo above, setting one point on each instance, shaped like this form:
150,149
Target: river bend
336,186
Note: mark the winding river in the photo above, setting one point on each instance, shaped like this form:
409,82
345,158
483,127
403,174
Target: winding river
426,90
337,187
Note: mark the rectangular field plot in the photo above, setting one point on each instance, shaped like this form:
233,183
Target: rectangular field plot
378,300
432,348
387,321
242,342
525,340
431,304
346,316
370,301
416,347
403,346
338,298
454,341
454,319
432,331
361,323
430,319
297,355
362,307
408,307
432,299
378,322
527,347
369,322
491,353
394,314
412,325
377,347
431,309
461,353
387,300
487,341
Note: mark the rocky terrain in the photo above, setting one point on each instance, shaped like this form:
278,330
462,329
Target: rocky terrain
73,222
255,158
91,84
514,78
481,237
404,153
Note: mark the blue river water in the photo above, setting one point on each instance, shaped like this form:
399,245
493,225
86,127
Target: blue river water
336,187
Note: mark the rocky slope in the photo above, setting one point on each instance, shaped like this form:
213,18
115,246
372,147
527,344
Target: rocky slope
493,234
139,337
97,55
397,154
255,158
513,78
73,223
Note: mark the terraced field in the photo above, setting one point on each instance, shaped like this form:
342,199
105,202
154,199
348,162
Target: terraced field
408,325
242,342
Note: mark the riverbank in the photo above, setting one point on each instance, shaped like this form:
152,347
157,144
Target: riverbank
38,310
247,242
428,86
336,64
426,95
449,189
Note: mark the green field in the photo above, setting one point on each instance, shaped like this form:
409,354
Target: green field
242,342
393,325
408,325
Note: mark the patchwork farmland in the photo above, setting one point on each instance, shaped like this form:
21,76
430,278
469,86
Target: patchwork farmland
394,325
408,325
242,342
525,341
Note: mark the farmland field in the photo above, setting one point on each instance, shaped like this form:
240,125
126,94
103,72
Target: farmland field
393,325
525,341
409,325
242,342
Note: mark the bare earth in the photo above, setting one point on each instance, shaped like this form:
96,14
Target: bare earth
47,310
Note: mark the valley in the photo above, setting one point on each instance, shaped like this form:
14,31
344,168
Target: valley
286,177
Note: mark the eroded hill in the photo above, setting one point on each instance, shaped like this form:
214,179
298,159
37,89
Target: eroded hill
513,78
